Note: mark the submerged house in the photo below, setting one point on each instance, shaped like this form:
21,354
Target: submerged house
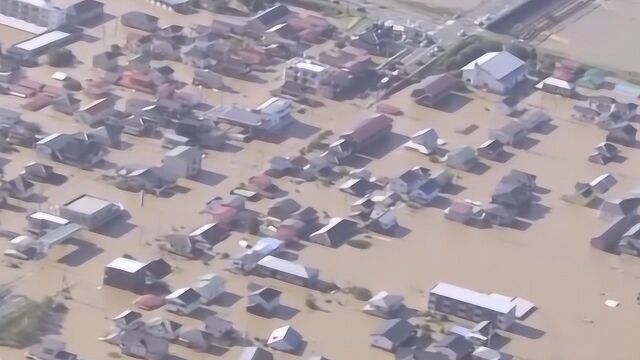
512,195
368,131
288,271
385,305
183,301
263,302
335,233
393,334
510,134
209,286
499,215
154,180
462,158
497,72
140,344
285,339
433,89
74,149
424,141
491,149
623,134
409,180
604,153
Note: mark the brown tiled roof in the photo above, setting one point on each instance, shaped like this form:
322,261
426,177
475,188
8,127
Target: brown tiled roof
98,106
437,84
368,128
38,102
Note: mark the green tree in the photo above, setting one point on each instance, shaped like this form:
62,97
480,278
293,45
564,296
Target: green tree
72,85
60,57
470,53
520,50
115,48
491,45
453,63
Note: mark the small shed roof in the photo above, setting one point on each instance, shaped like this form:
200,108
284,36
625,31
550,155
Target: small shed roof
87,204
127,265
288,267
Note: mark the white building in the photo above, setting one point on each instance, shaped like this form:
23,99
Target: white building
44,13
209,287
497,72
276,112
472,305
310,75
183,301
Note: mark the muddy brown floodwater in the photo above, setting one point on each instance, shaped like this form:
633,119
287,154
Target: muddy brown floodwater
547,260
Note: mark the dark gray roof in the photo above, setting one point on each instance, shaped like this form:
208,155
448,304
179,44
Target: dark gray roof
430,186
499,210
340,230
282,207
414,175
510,101
255,353
269,17
585,111
241,116
625,128
189,296
128,316
607,148
535,117
196,53
395,330
492,145
140,15
267,293
86,6
165,70
215,324
512,128
519,176
458,344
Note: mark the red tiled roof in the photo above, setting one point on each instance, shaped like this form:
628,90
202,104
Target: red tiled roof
223,214
53,90
30,84
22,91
38,102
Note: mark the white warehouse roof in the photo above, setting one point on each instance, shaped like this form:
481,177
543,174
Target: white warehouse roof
497,64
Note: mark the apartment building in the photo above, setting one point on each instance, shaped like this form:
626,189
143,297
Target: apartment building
472,305
310,75
45,13
48,14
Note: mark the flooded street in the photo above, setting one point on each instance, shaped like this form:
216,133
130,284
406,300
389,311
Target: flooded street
547,260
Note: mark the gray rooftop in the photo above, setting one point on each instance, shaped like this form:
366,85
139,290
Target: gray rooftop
472,297
241,116
396,330
87,204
